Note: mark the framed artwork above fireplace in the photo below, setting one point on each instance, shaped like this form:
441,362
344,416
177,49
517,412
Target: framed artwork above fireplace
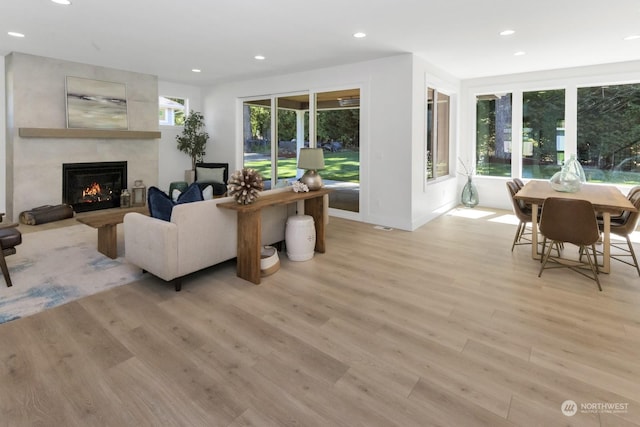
96,104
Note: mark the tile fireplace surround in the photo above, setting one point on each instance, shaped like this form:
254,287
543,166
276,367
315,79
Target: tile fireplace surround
35,94
37,177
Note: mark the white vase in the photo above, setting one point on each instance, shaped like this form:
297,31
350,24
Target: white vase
189,176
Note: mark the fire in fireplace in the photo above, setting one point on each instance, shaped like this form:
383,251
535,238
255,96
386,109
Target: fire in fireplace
93,186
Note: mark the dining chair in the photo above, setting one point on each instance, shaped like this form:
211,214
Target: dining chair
570,221
618,217
523,213
10,237
623,225
518,183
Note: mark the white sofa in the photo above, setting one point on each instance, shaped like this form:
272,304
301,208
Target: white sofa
199,235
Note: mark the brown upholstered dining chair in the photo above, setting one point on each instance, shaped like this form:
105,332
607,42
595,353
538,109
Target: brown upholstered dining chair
570,221
623,225
10,237
523,213
518,183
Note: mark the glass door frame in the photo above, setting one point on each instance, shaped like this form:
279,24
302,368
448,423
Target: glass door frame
312,93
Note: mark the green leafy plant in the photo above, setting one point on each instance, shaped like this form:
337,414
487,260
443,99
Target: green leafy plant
194,138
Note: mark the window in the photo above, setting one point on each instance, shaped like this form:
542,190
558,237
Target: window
608,135
257,136
172,110
437,150
493,134
542,133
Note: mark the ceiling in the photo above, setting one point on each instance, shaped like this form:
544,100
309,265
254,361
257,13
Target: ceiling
170,38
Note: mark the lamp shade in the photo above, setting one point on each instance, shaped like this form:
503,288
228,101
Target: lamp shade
311,158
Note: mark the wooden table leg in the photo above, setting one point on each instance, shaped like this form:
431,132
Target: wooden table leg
315,207
534,232
249,235
606,243
108,240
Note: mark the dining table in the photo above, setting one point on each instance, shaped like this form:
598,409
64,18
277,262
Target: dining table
606,200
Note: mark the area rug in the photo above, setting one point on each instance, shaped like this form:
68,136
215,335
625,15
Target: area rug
53,267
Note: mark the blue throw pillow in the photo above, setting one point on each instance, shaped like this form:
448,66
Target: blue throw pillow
193,193
161,205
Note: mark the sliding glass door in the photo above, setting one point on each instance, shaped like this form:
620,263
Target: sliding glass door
293,134
337,127
335,117
289,127
257,138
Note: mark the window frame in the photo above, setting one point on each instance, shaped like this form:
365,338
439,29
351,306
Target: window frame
434,134
169,119
517,86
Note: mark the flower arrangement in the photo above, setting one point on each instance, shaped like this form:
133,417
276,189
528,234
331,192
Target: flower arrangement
299,187
245,185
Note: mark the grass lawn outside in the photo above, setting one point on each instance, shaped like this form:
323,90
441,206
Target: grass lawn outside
339,166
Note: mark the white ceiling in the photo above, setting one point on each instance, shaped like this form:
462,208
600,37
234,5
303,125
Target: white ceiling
169,38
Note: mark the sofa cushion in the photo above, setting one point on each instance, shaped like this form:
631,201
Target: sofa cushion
193,193
207,192
218,188
161,205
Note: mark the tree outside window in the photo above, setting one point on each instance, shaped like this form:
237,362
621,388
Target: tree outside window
608,135
542,133
493,134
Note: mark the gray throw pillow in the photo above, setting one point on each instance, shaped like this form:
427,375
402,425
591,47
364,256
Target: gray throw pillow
210,175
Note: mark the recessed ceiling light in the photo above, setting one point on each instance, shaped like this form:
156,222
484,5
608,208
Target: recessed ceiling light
196,70
359,35
506,32
64,2
632,37
519,53
259,57
14,34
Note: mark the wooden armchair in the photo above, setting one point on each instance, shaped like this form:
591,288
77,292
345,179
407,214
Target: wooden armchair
10,237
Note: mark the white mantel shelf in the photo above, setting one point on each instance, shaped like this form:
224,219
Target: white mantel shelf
87,133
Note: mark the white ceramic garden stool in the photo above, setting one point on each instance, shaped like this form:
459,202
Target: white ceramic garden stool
300,237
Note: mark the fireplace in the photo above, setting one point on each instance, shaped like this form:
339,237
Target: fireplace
93,186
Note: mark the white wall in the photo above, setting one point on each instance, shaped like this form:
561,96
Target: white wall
492,190
172,163
431,199
392,102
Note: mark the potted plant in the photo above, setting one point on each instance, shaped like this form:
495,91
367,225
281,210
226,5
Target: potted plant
193,141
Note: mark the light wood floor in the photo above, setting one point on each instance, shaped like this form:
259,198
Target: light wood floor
442,326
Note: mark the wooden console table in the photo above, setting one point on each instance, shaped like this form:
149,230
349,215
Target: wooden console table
250,226
107,224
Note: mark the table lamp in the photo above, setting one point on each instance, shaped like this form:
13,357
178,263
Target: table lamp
311,159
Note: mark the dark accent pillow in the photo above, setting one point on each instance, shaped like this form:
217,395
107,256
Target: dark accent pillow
193,193
218,189
161,205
